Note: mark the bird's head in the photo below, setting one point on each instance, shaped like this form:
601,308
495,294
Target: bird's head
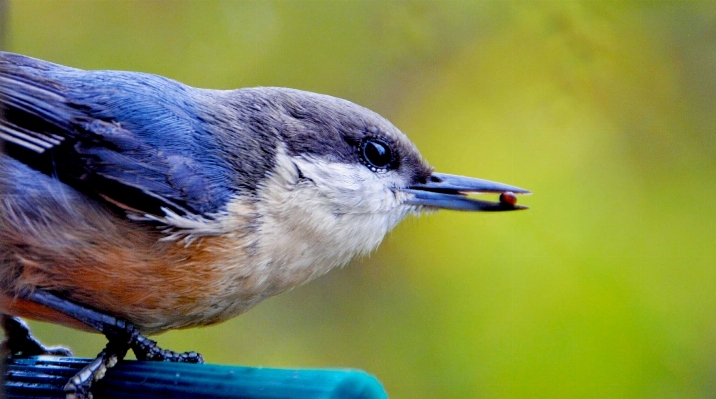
342,176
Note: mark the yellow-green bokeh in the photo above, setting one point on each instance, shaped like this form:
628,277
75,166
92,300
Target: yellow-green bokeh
606,110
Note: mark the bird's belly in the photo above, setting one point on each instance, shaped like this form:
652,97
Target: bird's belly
178,289
56,239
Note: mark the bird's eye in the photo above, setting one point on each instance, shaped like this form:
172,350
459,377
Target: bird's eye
376,154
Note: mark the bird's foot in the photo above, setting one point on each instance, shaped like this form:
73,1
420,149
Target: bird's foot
78,387
121,335
19,340
147,349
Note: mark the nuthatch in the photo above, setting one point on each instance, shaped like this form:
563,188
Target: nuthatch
132,204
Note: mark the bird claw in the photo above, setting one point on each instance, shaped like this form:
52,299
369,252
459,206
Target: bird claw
19,341
122,336
147,349
55,351
78,387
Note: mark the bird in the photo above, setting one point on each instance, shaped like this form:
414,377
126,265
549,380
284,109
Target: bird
132,204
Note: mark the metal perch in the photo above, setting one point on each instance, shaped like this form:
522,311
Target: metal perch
44,377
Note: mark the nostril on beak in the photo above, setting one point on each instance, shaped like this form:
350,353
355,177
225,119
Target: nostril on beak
435,179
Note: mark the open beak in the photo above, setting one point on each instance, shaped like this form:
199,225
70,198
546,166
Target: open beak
449,192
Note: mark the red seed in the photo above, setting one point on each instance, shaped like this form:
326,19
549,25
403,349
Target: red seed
508,197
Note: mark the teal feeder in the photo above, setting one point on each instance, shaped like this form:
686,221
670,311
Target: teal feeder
44,377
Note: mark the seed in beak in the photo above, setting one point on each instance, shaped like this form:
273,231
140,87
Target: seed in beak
508,197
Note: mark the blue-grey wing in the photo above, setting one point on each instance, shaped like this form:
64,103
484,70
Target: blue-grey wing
128,138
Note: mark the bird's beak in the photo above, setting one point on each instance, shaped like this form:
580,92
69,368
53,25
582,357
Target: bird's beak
449,192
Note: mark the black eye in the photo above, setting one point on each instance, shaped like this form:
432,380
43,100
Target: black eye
376,154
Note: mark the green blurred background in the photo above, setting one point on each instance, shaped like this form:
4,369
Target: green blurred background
606,110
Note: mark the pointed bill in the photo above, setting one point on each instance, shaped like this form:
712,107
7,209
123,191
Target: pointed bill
446,191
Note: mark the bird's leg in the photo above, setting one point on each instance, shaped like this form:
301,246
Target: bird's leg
19,340
114,329
121,335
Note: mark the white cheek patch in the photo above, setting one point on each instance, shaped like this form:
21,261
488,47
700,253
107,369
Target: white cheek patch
350,188
336,211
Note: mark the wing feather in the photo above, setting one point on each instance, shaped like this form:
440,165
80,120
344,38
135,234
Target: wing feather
105,138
